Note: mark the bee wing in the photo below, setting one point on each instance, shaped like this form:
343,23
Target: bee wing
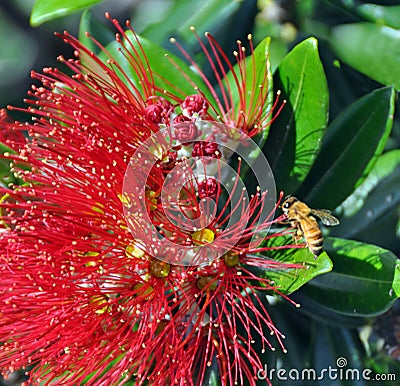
325,216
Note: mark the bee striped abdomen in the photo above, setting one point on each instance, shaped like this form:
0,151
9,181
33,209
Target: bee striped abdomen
315,245
313,236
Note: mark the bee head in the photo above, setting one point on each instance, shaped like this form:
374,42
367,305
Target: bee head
288,202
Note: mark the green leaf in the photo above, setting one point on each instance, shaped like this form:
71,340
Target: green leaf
5,163
260,63
7,175
364,280
396,281
99,31
181,16
371,49
295,137
45,10
388,164
378,14
290,280
181,82
320,312
375,205
352,144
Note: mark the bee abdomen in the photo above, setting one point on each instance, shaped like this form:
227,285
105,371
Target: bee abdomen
315,242
316,250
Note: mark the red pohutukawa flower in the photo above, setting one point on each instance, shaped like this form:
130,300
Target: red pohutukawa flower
9,135
88,291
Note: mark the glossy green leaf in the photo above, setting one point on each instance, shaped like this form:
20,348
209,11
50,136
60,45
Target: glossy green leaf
5,163
379,14
371,49
99,31
292,279
7,175
373,210
178,19
364,280
45,10
386,164
320,312
396,281
352,144
90,378
295,137
170,73
260,63
376,222
257,69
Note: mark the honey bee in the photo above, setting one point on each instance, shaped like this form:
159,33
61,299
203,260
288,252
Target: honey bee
303,218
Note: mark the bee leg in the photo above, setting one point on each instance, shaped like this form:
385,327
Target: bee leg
298,235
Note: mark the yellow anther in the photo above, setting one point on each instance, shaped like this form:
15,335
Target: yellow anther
159,268
203,236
